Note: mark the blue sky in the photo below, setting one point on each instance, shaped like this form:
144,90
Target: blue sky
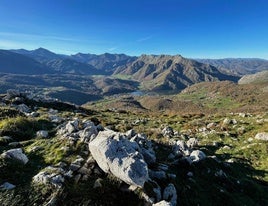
192,28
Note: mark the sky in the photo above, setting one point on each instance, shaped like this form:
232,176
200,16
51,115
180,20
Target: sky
192,28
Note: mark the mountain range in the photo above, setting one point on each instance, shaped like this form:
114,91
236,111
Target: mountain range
238,66
108,74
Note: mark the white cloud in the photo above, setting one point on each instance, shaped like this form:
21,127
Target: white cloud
144,39
113,48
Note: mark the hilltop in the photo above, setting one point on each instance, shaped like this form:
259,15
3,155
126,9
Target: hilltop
53,153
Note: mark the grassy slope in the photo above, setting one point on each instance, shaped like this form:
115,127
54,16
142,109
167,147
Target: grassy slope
246,178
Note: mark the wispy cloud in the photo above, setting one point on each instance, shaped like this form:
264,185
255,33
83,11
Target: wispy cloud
144,39
113,49
35,36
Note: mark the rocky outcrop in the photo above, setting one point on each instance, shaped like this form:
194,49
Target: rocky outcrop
114,153
78,129
50,175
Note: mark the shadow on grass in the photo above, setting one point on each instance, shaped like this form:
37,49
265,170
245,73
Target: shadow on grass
217,181
21,176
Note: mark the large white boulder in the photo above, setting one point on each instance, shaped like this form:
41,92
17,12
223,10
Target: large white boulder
16,154
114,153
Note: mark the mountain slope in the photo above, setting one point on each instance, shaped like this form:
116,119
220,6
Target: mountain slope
11,62
260,77
239,66
72,67
165,72
106,62
59,63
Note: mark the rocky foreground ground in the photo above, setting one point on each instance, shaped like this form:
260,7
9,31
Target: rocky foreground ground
53,153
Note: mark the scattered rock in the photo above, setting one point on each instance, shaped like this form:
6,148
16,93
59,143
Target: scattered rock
74,167
14,144
12,93
50,175
262,136
145,147
88,132
197,155
190,174
163,203
192,142
226,121
170,194
157,174
23,108
77,178
220,173
7,186
180,148
42,133
226,147
168,131
98,183
16,154
211,125
130,133
116,154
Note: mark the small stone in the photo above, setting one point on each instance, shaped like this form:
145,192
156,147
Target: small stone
84,171
77,178
42,133
190,174
170,194
98,183
7,186
171,176
74,167
192,142
226,147
16,154
157,174
14,144
197,155
162,203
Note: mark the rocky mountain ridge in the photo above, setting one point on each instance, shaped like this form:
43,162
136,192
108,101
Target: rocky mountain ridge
165,72
239,66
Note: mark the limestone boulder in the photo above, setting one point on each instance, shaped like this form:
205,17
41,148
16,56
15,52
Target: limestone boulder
115,154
